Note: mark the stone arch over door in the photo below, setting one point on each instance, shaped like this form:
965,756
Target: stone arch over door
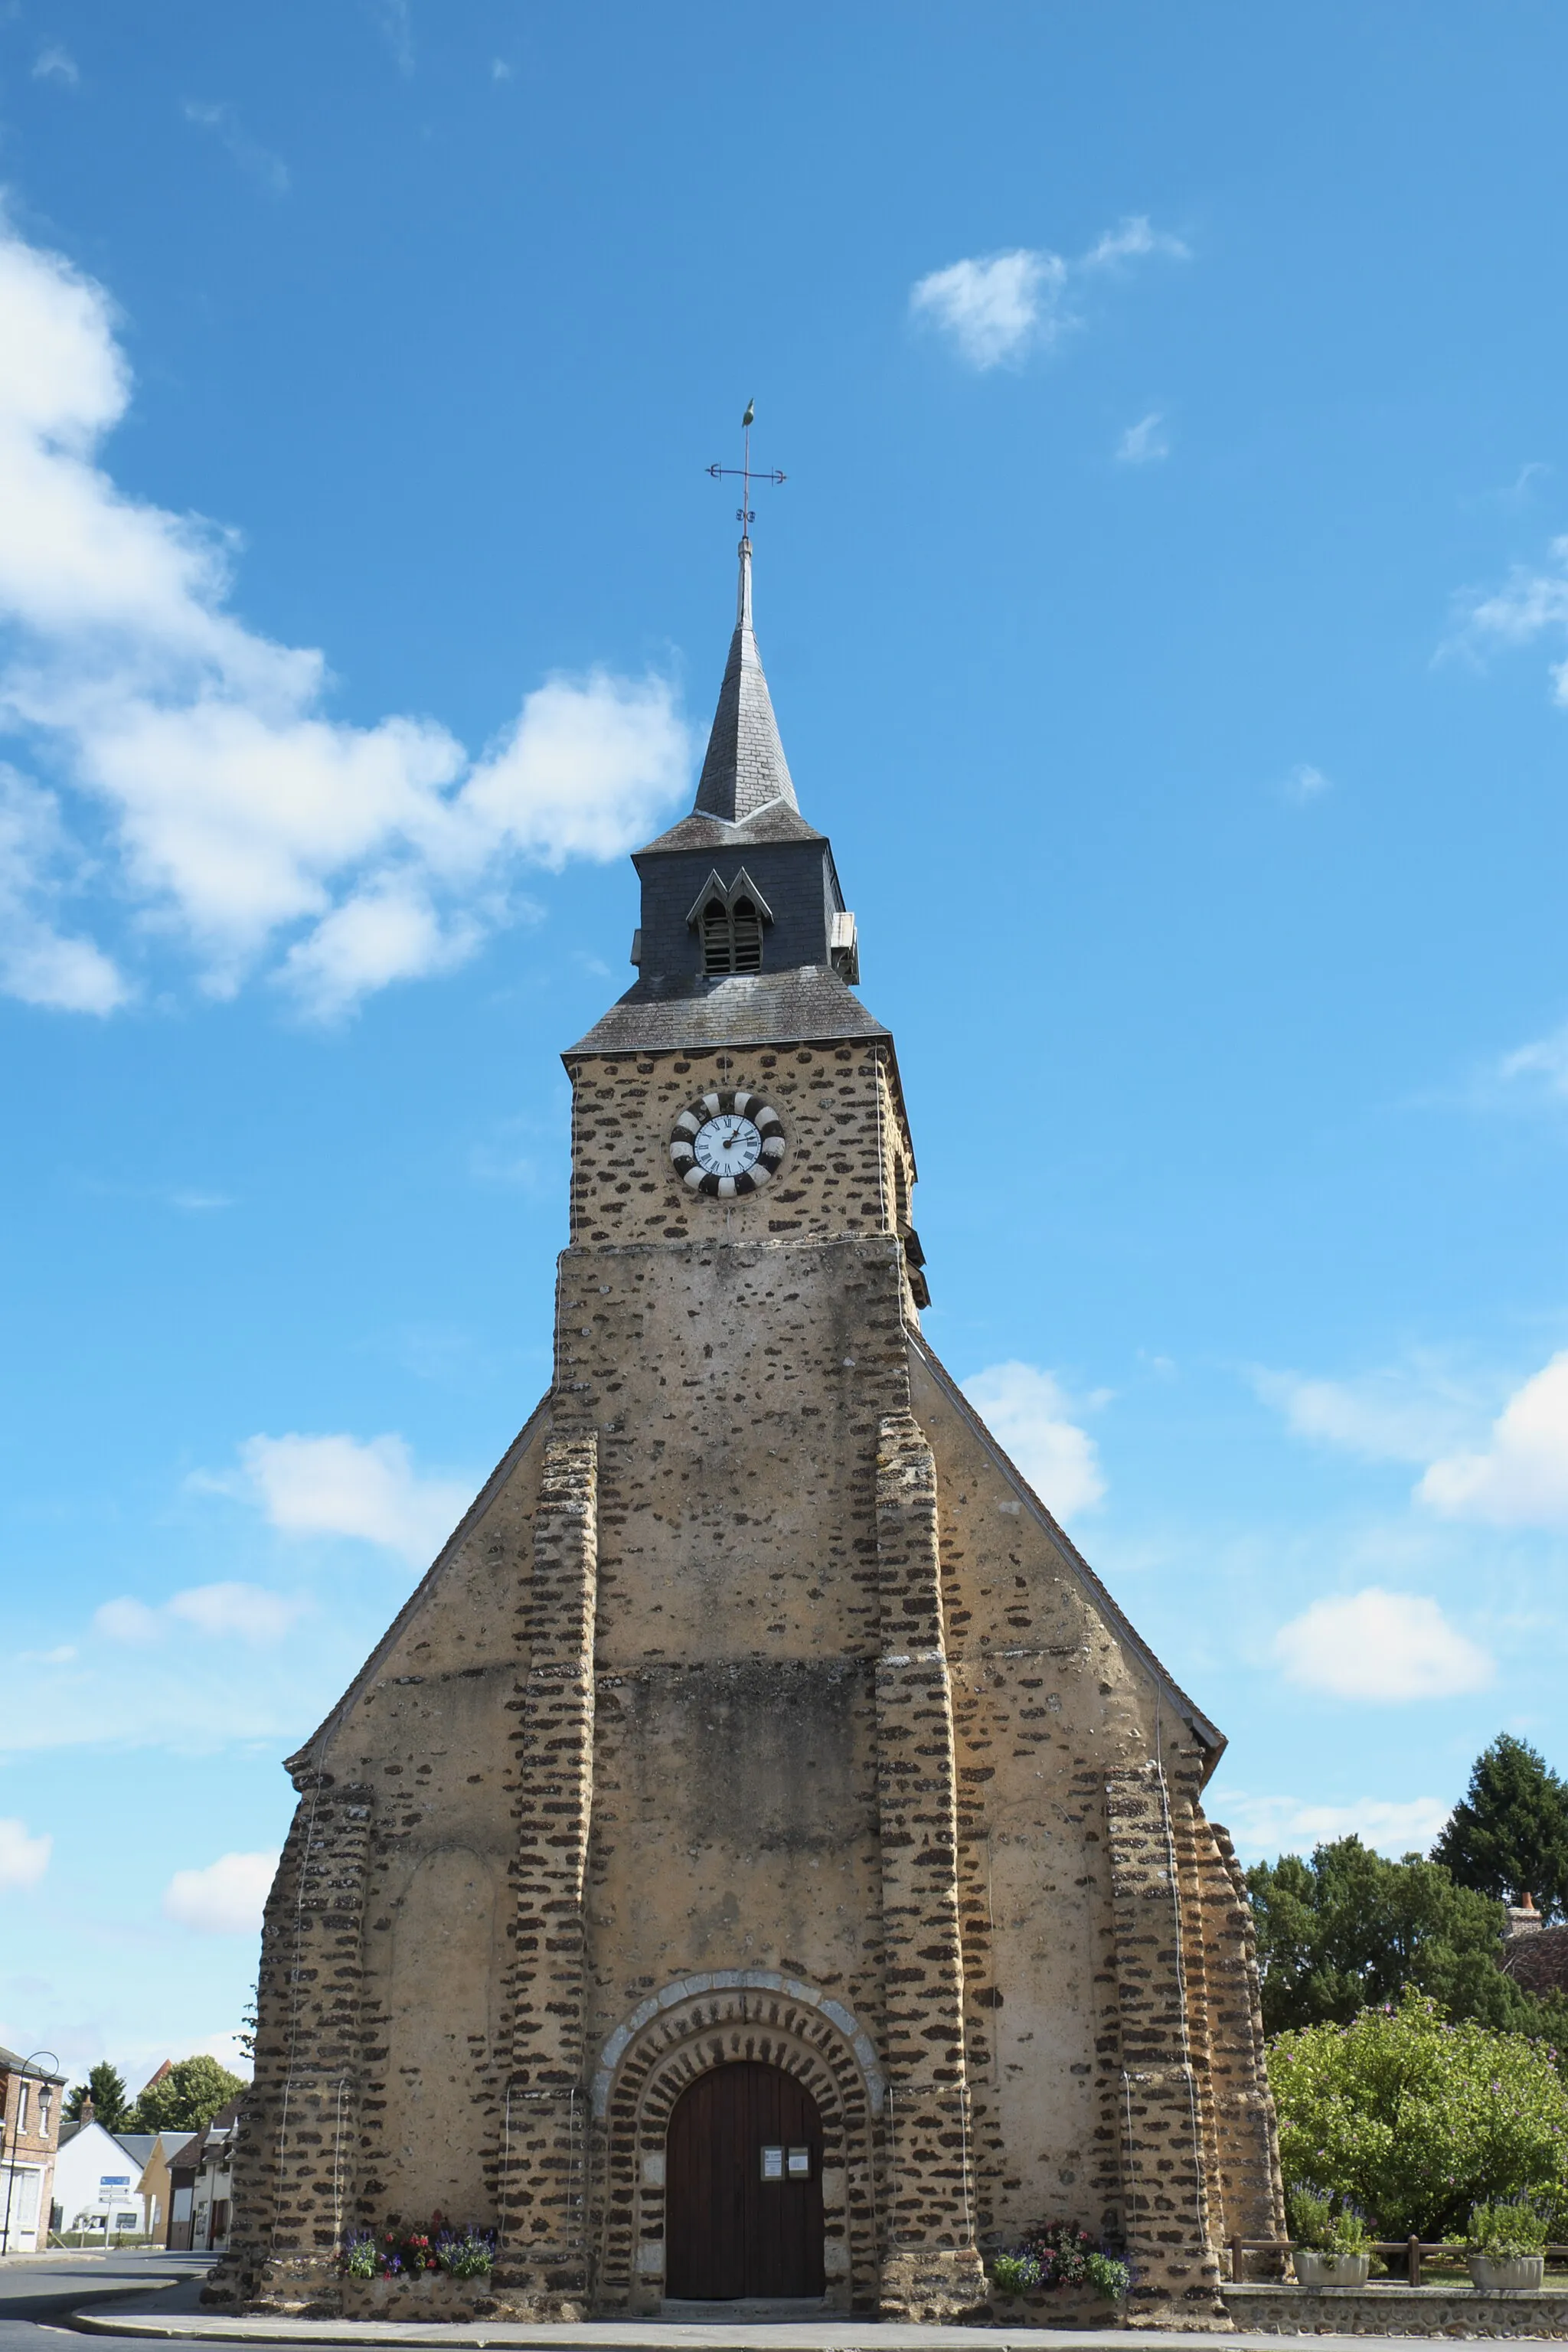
662,2057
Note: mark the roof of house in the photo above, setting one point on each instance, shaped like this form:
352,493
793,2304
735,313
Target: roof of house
218,2128
13,2061
1539,1961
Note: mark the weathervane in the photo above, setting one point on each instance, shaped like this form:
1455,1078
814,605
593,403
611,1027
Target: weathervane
744,513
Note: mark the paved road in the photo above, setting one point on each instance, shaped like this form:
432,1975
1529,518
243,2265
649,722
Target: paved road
38,2294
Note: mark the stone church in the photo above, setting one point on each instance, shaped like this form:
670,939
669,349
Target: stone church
761,1861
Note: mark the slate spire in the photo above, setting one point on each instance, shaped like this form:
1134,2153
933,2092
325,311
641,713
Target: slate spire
745,768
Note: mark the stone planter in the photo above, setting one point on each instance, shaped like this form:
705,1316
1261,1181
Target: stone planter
431,2296
1514,2274
1062,2306
1331,2270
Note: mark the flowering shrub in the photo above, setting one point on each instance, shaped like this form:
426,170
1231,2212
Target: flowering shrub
1060,2254
1416,2120
400,2253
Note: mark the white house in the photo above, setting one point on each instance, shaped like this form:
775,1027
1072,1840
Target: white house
96,2182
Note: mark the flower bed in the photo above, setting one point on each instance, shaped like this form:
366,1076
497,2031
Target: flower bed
1058,2259
400,2250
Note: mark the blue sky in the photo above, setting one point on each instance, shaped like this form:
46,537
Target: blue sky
1167,613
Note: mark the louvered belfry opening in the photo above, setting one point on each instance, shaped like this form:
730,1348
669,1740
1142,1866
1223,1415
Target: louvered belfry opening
732,936
716,946
746,937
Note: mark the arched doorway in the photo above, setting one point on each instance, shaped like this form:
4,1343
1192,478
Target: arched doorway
744,2188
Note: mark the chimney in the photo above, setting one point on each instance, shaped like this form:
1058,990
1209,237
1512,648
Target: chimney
1523,1919
87,2110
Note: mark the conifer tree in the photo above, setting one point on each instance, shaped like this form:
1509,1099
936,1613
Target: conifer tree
105,2086
1508,1835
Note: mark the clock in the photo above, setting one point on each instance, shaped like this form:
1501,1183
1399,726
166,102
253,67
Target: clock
727,1145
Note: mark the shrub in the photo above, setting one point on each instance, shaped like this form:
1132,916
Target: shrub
1501,2232
1324,2224
1415,2120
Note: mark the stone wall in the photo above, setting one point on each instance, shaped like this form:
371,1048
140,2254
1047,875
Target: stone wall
1451,2311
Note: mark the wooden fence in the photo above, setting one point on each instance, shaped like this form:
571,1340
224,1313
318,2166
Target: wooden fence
1411,2248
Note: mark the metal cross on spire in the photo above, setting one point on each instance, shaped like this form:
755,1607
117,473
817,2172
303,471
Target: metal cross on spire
745,514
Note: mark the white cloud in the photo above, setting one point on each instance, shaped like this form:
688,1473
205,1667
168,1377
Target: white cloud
54,64
500,69
1305,783
1264,1826
1520,1477
1380,1645
995,308
193,774
998,306
335,1485
1533,603
38,963
1144,444
1543,1062
1131,242
1027,1413
244,1613
1404,1414
22,1859
258,163
224,1899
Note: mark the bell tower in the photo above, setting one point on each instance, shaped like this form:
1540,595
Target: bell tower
761,1860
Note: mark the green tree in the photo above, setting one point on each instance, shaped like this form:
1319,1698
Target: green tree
1350,1930
1416,2119
186,2097
1508,1835
106,2088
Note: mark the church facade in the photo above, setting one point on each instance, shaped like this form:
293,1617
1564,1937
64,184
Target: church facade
761,1860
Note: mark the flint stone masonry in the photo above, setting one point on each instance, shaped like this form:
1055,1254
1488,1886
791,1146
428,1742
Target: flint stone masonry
757,1711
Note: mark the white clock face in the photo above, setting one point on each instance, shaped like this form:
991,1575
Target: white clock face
727,1145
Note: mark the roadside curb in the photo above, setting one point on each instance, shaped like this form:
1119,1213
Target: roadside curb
655,2335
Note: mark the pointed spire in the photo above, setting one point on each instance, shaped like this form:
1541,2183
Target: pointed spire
745,767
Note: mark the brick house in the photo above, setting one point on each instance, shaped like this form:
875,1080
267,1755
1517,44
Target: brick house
30,2100
762,1860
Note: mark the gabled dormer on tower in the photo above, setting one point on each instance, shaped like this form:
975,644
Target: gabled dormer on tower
744,938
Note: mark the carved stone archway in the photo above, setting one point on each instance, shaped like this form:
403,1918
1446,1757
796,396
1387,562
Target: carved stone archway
674,2039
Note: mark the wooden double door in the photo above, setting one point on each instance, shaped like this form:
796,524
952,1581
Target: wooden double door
744,2188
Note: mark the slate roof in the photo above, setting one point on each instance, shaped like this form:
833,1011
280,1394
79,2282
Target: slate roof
13,2061
745,767
1538,1961
779,821
807,1004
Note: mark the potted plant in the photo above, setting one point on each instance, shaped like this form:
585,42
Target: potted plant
1505,2246
1330,2243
